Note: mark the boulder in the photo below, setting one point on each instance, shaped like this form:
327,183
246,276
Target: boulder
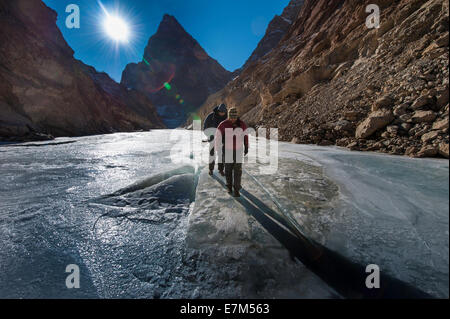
374,122
383,102
430,136
427,151
423,116
421,102
440,125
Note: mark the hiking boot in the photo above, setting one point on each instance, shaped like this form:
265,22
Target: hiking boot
222,173
236,193
211,173
229,190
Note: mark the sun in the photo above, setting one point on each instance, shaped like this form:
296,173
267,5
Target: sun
116,28
114,25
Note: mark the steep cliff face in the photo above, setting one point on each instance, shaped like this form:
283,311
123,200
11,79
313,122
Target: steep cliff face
333,80
44,90
276,30
176,73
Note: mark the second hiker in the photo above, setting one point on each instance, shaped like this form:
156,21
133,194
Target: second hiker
212,121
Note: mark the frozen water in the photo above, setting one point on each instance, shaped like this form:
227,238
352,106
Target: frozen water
51,197
391,211
239,253
141,226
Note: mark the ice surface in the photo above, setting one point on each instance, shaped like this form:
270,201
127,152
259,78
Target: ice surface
239,253
141,226
392,211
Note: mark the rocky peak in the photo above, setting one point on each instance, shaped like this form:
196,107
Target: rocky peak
176,73
170,25
172,43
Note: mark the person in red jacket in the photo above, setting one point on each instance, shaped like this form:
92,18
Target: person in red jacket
232,139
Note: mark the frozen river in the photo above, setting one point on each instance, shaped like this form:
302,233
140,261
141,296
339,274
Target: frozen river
140,225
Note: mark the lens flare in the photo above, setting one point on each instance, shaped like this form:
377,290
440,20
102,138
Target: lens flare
158,75
167,86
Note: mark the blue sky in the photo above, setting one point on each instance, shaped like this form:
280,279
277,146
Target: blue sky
229,30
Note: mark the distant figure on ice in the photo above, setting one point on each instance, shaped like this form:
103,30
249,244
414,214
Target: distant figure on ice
209,127
232,138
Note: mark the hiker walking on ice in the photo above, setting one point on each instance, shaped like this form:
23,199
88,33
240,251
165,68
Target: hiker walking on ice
232,139
212,121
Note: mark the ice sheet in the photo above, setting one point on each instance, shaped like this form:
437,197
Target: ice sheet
154,239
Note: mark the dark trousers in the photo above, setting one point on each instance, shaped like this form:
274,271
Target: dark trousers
212,161
233,173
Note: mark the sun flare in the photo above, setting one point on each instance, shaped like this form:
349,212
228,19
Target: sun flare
116,28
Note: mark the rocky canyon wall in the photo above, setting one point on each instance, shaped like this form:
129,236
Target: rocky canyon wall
332,80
